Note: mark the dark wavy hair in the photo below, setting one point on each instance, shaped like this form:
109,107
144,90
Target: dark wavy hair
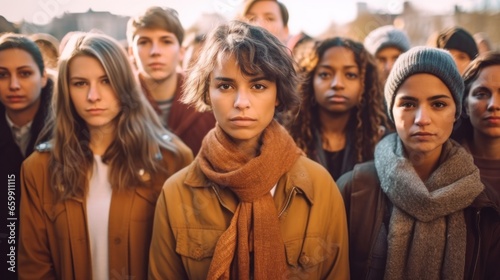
463,128
256,51
366,118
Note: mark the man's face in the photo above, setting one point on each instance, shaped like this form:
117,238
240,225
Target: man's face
156,53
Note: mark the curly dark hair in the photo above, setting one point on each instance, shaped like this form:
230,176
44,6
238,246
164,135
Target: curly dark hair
366,118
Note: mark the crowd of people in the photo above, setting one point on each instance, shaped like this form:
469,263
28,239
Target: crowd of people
245,152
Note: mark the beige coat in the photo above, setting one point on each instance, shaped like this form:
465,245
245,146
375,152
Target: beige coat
54,242
192,213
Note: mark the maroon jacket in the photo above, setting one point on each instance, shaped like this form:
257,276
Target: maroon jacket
183,120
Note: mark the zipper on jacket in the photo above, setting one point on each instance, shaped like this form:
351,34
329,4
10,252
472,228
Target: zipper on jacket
478,247
287,203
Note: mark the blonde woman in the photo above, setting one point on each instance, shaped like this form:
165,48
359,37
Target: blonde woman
89,194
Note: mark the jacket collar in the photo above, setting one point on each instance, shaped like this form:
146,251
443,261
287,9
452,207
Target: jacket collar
298,177
487,199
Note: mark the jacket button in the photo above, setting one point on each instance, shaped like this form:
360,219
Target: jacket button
304,260
118,240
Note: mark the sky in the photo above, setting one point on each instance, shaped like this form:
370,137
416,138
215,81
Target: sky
311,16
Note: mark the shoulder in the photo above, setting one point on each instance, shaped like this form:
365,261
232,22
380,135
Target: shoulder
312,178
362,171
363,175
182,154
183,149
180,176
489,200
311,167
307,173
37,162
180,183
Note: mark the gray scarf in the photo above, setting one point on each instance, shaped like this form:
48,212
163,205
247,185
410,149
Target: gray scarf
427,231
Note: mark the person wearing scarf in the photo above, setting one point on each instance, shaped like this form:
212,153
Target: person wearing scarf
409,210
250,206
479,134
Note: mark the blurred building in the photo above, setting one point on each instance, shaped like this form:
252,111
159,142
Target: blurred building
419,25
7,26
105,22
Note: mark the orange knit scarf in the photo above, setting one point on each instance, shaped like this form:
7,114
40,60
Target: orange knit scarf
255,225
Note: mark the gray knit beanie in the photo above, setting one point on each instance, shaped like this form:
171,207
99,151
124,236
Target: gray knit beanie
386,36
429,60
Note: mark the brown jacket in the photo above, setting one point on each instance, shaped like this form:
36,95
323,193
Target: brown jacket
54,242
192,213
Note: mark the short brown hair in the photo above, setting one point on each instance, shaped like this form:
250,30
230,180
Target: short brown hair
256,51
156,17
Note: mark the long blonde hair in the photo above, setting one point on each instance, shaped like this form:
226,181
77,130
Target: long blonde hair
138,134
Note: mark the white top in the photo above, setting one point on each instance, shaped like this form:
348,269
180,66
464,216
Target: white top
273,190
98,203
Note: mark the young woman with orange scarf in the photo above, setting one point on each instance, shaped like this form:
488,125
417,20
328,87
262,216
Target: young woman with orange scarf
250,206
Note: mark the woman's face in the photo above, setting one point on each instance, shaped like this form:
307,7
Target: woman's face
90,90
337,81
267,14
483,102
424,113
20,81
243,105
462,59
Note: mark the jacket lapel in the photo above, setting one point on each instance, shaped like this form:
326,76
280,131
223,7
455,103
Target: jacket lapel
80,249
